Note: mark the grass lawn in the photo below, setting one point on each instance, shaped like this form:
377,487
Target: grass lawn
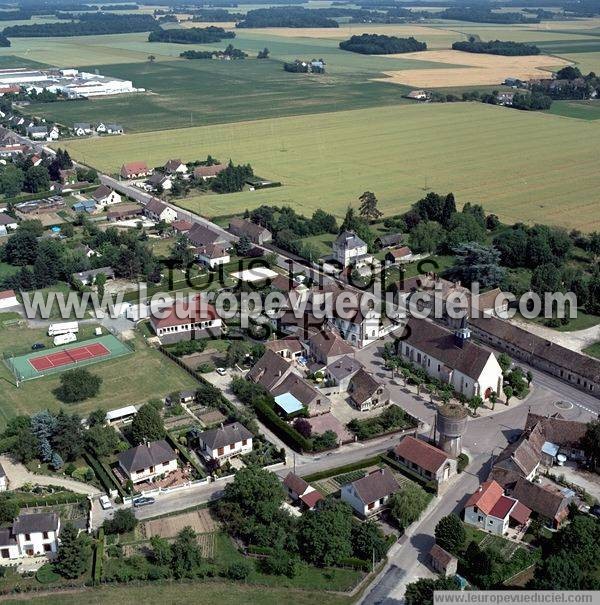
133,379
322,242
307,578
593,350
399,152
7,270
583,321
202,593
583,110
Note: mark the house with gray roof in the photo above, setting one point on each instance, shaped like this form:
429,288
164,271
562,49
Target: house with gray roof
30,535
369,495
340,372
87,277
225,442
147,461
366,392
349,249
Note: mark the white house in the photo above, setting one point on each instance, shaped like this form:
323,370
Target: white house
212,255
427,461
369,495
53,133
358,328
159,211
82,129
452,358
105,196
8,299
349,249
225,441
185,320
8,221
147,461
490,510
175,167
30,535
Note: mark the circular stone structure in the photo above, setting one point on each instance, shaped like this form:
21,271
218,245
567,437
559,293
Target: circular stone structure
451,424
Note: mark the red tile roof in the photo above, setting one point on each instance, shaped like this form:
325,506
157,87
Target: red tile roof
182,226
134,168
7,294
202,171
423,454
520,513
502,507
185,312
312,498
486,496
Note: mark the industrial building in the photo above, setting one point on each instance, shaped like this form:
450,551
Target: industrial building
70,82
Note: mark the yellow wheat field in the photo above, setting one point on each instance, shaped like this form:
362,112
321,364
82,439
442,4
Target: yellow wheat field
478,69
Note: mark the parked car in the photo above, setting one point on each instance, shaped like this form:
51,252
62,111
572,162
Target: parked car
143,501
105,502
221,371
37,346
595,510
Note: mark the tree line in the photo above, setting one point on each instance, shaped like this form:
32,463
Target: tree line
376,44
482,14
496,47
285,17
85,25
194,35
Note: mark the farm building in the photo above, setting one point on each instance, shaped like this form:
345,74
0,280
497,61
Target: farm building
255,233
158,211
8,221
208,172
442,561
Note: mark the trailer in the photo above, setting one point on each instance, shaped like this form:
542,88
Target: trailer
64,339
63,328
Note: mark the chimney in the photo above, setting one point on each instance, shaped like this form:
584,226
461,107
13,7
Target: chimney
463,334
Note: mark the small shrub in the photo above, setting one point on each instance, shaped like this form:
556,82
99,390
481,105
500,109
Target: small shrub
463,462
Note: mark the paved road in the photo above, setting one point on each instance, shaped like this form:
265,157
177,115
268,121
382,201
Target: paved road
18,476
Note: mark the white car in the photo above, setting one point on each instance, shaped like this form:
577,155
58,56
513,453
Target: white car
221,371
105,502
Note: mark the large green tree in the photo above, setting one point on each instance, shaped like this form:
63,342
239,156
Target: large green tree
368,207
325,534
77,385
147,425
73,552
421,591
450,533
407,505
186,554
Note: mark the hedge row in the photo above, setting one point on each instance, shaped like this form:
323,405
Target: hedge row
104,476
283,430
356,563
50,499
98,557
184,453
340,470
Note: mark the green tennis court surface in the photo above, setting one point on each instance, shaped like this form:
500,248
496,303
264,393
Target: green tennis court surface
66,357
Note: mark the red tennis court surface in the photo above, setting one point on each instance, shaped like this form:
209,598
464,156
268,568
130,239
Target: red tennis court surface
68,356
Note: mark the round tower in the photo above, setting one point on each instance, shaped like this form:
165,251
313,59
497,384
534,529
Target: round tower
450,424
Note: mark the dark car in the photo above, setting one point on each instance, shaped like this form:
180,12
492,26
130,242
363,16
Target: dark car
144,501
595,510
37,346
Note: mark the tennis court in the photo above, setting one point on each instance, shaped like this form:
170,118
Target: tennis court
37,364
68,356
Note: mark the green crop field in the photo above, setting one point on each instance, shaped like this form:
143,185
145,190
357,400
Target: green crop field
511,161
583,110
194,592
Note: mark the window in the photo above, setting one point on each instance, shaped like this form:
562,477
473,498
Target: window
4,553
244,442
47,548
45,535
220,451
27,536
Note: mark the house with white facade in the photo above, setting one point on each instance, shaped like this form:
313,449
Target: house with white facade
105,196
82,129
349,249
158,211
186,320
175,167
225,442
366,392
30,535
490,510
212,255
147,461
358,327
424,459
369,495
452,358
8,299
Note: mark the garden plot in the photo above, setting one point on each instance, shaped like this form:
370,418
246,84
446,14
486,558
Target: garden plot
201,521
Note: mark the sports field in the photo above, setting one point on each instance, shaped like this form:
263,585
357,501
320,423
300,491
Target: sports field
66,357
524,166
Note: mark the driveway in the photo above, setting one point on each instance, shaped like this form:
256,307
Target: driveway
18,476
